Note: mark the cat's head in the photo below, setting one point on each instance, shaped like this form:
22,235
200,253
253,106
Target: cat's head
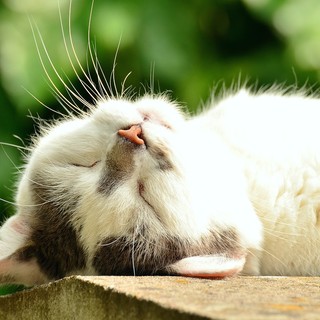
111,192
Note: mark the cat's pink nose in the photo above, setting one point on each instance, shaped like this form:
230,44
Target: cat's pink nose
133,134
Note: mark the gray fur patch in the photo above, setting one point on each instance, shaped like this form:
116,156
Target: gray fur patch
161,154
119,166
53,241
142,256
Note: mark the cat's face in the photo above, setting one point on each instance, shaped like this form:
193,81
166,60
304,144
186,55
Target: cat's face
94,172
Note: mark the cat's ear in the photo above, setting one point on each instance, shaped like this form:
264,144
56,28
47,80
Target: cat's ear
211,266
14,268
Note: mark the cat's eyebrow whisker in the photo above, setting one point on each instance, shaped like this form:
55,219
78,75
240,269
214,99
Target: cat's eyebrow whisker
113,71
97,66
44,105
130,93
103,83
149,89
123,89
94,59
68,106
56,89
152,72
91,90
101,93
52,84
75,91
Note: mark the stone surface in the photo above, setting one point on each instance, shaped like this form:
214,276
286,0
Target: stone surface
167,298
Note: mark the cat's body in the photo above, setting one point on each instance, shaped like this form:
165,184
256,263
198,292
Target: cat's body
276,139
133,187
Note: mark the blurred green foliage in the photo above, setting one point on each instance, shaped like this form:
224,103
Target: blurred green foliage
194,46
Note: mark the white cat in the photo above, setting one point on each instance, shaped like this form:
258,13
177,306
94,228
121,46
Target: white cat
137,187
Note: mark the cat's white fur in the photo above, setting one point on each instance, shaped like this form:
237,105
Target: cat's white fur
276,138
249,162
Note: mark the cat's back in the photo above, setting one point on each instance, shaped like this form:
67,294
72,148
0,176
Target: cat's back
275,137
268,125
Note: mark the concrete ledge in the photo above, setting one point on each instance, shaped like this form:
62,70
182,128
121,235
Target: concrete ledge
167,298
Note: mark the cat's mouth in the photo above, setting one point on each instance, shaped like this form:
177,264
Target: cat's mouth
160,154
158,151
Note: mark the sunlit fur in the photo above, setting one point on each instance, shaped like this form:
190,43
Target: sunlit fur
248,162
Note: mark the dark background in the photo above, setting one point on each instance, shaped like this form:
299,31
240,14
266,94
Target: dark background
193,46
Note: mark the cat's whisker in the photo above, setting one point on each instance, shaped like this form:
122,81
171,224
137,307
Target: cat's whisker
285,224
279,237
91,90
273,256
102,82
44,105
133,252
112,80
17,205
39,184
295,234
51,84
282,223
75,91
123,89
129,93
149,88
37,205
35,31
99,85
20,139
8,202
21,148
106,87
10,159
152,76
70,107
110,243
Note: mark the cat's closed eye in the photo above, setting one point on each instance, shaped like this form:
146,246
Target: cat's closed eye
81,165
148,117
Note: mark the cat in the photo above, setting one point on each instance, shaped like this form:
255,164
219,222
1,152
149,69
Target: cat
137,187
